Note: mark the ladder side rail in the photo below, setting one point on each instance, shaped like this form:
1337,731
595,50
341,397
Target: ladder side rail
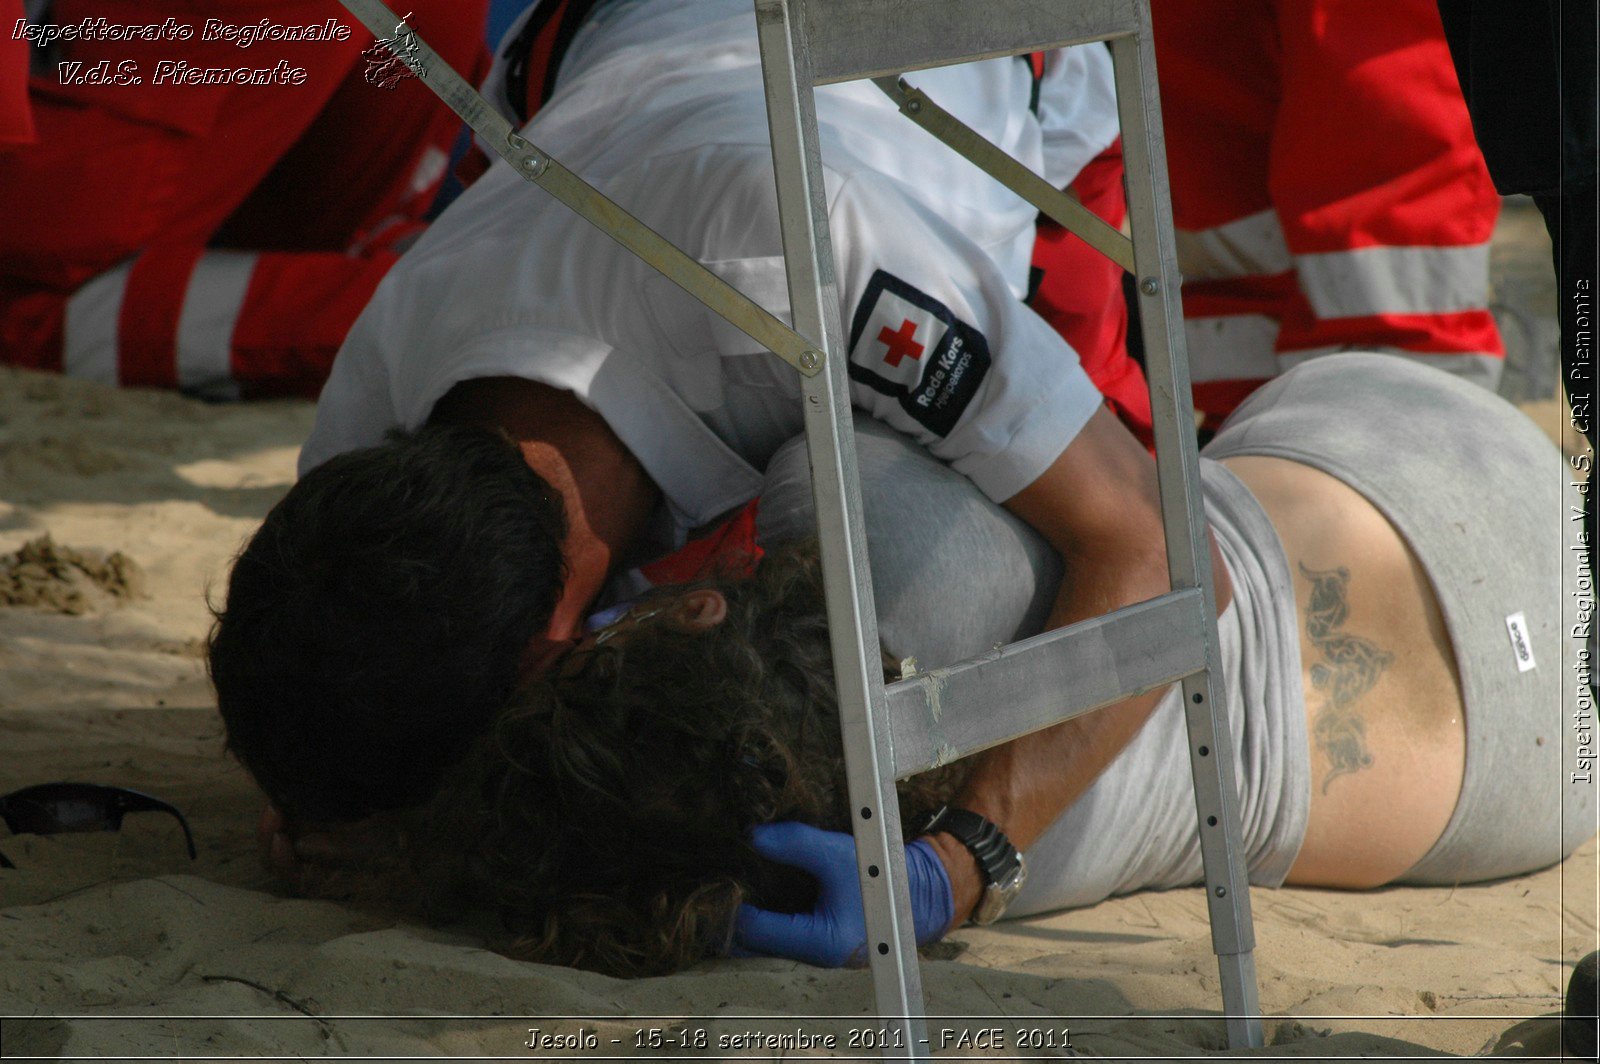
830,441
1183,513
850,39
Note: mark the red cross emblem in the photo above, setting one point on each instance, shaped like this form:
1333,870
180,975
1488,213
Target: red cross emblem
901,344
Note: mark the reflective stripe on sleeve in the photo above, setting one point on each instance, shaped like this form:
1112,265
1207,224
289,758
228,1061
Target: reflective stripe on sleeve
1251,246
429,171
1395,280
205,330
1231,347
91,327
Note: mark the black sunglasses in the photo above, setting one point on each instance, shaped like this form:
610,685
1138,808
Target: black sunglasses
53,808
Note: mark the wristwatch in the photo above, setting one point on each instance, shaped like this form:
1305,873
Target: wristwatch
998,860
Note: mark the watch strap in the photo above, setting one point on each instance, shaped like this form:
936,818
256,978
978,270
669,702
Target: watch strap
997,859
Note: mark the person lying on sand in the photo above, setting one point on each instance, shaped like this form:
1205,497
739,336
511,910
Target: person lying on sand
388,606
1388,725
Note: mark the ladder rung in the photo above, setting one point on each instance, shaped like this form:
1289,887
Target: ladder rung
851,39
944,714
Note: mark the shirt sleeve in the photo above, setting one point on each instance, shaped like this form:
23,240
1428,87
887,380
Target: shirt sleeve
1077,110
941,349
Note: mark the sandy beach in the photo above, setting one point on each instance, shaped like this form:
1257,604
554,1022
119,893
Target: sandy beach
117,945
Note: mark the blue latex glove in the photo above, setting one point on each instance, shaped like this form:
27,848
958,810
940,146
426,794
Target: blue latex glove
834,934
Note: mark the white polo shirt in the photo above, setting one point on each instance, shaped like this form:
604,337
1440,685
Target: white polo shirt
660,106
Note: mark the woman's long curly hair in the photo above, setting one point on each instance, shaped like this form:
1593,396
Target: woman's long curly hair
606,814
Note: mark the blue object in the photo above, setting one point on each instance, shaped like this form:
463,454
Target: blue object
502,13
610,615
834,934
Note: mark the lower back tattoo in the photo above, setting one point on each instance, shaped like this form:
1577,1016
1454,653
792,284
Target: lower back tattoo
1349,668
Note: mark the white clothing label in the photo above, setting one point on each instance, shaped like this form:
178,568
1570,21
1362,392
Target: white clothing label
1521,645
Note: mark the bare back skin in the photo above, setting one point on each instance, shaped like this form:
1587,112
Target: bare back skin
1384,714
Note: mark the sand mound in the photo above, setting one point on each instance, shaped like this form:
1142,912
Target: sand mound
46,575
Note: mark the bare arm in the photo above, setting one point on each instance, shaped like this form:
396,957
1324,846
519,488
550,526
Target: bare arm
1097,505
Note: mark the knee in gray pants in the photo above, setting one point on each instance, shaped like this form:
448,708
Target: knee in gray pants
953,574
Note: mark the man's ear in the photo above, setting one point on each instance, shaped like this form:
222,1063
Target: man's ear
700,610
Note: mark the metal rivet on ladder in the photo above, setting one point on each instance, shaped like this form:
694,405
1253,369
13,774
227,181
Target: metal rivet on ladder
1222,892
1211,821
913,107
872,870
1149,286
883,947
866,813
1198,698
1204,750
810,359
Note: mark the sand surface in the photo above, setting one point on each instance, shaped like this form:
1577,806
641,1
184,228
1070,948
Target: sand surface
108,941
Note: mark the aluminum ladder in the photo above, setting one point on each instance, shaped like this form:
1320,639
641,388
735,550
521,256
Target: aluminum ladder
919,722
898,730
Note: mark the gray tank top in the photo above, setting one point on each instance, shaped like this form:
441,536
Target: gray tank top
1425,448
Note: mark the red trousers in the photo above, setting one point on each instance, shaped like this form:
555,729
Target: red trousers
217,238
16,120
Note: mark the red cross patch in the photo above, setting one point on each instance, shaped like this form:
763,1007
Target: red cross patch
906,344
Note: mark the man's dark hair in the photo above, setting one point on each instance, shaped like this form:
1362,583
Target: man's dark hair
375,623
605,813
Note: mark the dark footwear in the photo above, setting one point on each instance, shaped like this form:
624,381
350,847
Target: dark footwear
1578,1018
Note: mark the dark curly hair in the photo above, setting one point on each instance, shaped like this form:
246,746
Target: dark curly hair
375,622
606,814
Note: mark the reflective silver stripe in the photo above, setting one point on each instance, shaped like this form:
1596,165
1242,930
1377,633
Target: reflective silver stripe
1231,348
90,343
1252,246
1476,366
205,328
1390,280
429,171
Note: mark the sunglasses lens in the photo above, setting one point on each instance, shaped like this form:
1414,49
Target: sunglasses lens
52,808
62,814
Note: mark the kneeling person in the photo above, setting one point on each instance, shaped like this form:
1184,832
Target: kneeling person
386,609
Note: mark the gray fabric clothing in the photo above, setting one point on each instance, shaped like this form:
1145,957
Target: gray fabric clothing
1427,449
953,574
950,588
